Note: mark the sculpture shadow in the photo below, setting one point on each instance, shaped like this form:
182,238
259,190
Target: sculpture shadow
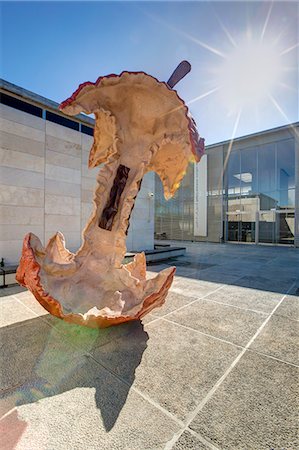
44,357
239,270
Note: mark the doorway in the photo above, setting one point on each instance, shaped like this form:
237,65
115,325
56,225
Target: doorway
276,227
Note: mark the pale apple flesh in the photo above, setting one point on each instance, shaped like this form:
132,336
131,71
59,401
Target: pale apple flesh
141,125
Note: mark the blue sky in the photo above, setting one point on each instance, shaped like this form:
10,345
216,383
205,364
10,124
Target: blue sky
51,47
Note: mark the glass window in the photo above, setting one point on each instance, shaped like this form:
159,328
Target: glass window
266,168
287,199
248,175
233,174
286,164
269,201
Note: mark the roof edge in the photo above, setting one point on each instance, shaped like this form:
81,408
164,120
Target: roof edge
41,101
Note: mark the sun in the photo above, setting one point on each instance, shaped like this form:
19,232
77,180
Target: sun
249,74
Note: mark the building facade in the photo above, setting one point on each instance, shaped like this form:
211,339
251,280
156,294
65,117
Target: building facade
46,185
242,192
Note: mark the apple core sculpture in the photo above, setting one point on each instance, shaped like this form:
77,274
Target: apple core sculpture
141,125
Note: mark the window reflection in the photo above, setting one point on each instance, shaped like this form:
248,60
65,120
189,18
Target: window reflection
248,175
261,186
285,164
266,168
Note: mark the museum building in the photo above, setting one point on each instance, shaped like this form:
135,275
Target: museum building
46,185
245,191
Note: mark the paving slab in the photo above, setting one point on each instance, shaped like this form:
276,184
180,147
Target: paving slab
280,339
30,302
87,409
289,307
193,287
10,290
280,285
188,441
13,312
178,366
136,385
173,302
255,408
32,350
222,321
247,298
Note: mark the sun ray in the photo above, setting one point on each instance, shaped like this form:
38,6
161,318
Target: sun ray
228,35
266,21
229,148
205,94
193,100
202,44
289,49
283,114
286,86
206,46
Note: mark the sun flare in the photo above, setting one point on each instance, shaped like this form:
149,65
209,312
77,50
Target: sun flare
249,74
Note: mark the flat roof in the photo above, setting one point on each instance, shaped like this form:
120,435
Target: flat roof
258,133
50,104
40,100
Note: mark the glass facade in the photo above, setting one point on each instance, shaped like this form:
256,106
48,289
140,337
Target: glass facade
260,193
251,194
174,218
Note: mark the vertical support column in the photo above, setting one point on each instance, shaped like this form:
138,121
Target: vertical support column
200,197
257,227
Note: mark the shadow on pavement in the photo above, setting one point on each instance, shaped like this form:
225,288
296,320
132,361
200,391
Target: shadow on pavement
45,356
258,273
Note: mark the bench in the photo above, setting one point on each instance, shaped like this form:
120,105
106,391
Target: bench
7,270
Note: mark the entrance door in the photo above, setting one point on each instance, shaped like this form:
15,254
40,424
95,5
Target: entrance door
266,226
240,227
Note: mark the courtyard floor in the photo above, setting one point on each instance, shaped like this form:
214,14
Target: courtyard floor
214,368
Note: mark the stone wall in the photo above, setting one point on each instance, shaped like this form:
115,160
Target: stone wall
46,186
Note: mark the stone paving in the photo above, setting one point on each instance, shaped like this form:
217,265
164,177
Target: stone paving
214,368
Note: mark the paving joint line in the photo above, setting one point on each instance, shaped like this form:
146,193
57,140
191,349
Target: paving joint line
188,304
202,439
201,332
229,342
209,395
116,376
218,383
233,306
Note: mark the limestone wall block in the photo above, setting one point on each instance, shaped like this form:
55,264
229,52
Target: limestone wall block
64,133
21,117
22,130
18,232
62,188
11,251
57,222
22,144
63,174
21,160
57,204
87,142
63,160
20,177
21,196
21,215
62,146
